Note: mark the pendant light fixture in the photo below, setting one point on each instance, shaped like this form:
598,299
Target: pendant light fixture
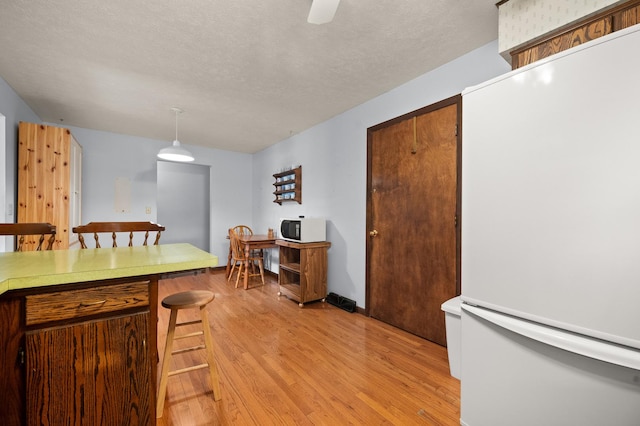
175,152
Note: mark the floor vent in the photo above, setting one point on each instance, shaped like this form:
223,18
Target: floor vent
341,302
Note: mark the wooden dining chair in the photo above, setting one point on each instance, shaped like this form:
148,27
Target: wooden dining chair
113,228
242,230
239,259
237,254
22,232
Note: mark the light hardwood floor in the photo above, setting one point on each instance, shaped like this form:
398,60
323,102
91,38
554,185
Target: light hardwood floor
319,365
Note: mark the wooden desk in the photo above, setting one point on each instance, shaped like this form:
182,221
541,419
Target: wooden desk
78,332
251,242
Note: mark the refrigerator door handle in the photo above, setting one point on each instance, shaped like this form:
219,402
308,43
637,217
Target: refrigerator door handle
568,341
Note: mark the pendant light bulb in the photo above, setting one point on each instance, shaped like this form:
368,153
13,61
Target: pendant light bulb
176,152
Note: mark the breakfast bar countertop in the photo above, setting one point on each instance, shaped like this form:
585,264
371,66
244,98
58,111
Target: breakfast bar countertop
23,270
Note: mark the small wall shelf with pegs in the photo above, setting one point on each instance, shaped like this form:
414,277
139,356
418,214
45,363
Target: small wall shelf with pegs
288,185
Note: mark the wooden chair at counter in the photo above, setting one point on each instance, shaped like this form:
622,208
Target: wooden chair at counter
22,230
239,258
114,228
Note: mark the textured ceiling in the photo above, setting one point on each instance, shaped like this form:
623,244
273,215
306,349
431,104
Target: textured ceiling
247,73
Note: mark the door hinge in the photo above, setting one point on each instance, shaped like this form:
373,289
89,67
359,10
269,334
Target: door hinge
21,355
455,220
456,129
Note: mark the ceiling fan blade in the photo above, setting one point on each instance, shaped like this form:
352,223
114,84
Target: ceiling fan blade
322,11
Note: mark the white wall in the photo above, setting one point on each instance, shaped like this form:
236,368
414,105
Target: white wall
333,156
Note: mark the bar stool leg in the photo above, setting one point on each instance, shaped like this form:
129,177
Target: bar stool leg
213,370
164,375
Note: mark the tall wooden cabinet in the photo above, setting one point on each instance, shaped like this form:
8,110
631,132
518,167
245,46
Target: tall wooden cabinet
303,270
49,180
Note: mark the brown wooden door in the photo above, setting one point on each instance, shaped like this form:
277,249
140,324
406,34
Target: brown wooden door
412,205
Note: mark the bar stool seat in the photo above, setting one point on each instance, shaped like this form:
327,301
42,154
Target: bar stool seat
187,300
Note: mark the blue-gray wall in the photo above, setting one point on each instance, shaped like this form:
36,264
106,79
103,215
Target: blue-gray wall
333,155
108,156
15,110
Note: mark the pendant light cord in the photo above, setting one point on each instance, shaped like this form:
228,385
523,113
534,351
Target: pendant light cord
176,124
175,152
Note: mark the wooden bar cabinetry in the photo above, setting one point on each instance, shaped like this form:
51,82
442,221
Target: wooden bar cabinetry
78,335
80,353
303,270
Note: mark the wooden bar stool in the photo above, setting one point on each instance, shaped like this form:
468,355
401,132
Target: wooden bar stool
187,300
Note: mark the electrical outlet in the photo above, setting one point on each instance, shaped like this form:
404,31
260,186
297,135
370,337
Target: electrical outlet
148,210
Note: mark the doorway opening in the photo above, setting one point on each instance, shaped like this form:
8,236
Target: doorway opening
183,203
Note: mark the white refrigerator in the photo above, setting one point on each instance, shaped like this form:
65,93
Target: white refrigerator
551,241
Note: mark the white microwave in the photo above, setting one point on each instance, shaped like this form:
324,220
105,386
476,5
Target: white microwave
303,229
